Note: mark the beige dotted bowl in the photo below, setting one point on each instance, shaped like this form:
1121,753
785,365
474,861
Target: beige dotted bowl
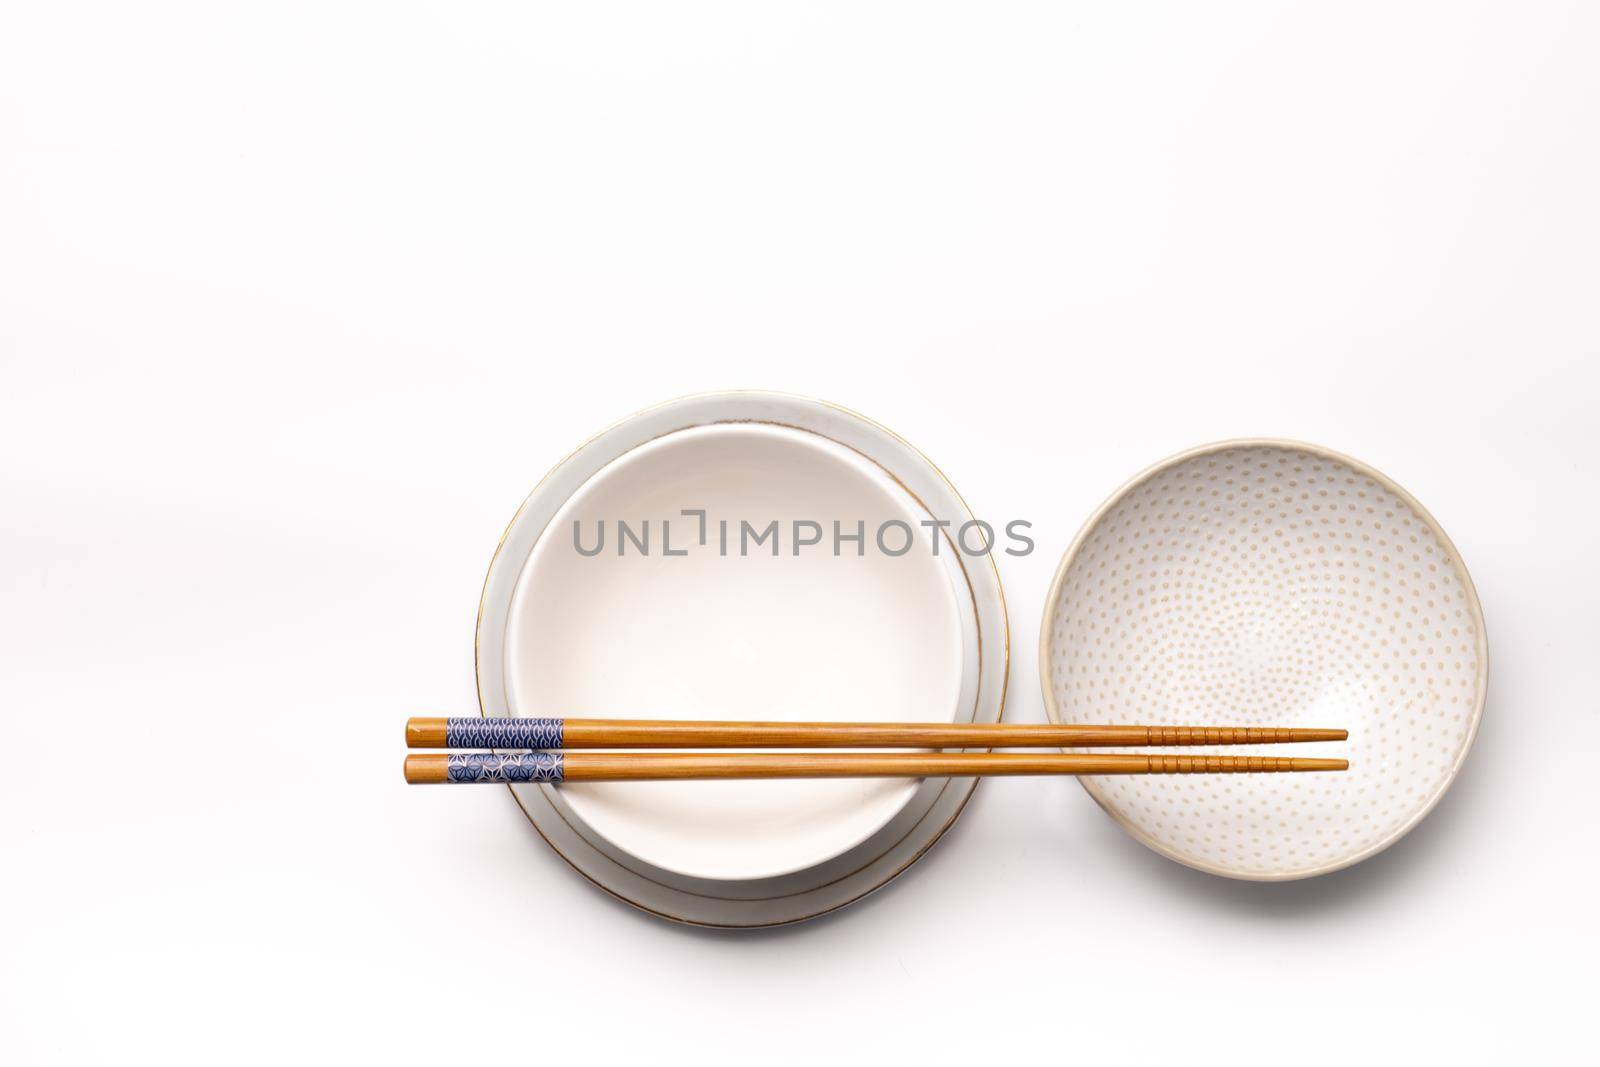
1270,583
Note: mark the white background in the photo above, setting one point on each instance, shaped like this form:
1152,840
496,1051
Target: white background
298,300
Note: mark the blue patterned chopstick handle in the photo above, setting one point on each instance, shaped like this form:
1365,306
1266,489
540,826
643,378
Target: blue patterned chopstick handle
502,733
509,767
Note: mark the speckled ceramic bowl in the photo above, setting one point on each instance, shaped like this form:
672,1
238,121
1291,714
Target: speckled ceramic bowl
1273,583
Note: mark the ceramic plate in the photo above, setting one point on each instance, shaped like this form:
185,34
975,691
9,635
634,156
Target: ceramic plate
682,616
1271,583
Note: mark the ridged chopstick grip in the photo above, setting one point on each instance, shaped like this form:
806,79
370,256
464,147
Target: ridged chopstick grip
480,767
510,733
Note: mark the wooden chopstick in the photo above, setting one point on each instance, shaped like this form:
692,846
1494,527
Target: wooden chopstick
503,733
654,766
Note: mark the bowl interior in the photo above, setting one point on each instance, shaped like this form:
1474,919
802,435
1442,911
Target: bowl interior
735,632
1271,584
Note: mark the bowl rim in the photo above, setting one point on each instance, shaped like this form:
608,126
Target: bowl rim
1481,681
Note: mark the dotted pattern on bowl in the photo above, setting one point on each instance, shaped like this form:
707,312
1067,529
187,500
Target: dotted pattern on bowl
1270,586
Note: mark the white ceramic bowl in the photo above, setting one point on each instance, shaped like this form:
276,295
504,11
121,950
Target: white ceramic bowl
1270,583
715,635
799,635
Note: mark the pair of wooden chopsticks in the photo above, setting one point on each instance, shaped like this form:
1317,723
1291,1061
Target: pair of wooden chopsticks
549,744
